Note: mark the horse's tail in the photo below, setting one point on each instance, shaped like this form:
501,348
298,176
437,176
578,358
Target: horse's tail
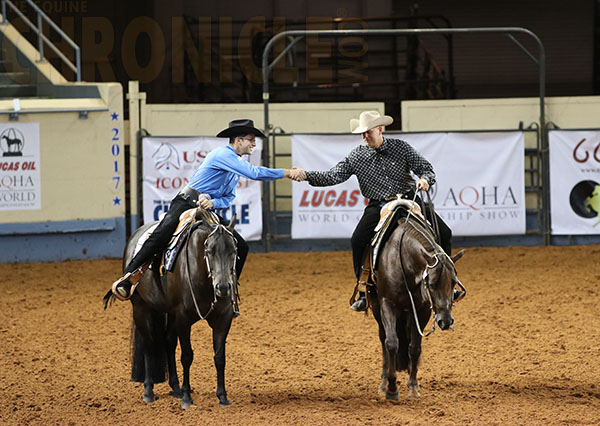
149,344
402,331
108,299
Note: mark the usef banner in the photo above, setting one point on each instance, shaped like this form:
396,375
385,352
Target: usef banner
169,164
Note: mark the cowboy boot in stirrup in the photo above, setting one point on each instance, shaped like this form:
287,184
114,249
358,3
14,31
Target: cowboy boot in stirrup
122,288
361,303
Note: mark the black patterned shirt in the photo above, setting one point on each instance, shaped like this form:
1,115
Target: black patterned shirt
382,172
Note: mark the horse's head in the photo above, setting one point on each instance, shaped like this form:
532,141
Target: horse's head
439,279
220,254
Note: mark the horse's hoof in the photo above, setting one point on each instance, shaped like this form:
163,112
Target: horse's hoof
149,398
177,393
413,393
225,403
186,404
392,395
382,388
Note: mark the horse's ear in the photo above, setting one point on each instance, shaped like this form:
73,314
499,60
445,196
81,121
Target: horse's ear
232,223
458,255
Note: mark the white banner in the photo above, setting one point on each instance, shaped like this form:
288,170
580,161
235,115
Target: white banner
324,212
169,164
575,182
20,181
479,189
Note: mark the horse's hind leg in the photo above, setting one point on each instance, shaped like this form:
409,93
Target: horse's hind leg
171,347
146,362
388,319
384,382
187,356
220,327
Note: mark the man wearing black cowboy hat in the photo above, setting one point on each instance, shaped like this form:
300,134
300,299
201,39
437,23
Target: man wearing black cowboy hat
211,187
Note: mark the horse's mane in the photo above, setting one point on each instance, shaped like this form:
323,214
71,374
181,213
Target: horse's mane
415,230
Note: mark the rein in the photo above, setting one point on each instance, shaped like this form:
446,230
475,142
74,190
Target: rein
210,275
189,280
234,291
412,302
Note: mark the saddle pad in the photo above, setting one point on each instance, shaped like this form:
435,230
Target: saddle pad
186,218
395,210
389,208
143,238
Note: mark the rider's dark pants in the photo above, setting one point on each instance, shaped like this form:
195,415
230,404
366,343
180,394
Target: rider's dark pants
364,231
160,237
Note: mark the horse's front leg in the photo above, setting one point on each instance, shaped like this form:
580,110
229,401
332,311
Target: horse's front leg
187,356
391,343
221,325
171,363
414,352
148,383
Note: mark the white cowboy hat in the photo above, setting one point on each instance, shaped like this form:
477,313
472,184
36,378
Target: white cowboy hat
368,120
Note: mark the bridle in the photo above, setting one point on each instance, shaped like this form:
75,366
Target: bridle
424,281
233,291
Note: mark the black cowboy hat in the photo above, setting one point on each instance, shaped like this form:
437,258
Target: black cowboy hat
240,127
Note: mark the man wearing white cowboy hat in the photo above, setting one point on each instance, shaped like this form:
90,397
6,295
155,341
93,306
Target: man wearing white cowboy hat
211,187
383,168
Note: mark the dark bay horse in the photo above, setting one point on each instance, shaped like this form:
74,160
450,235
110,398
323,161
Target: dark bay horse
414,277
202,285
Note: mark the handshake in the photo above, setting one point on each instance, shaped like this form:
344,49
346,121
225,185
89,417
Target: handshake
295,174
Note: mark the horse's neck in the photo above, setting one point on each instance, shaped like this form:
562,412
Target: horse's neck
421,236
425,243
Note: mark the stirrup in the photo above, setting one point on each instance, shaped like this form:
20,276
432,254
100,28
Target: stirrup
124,278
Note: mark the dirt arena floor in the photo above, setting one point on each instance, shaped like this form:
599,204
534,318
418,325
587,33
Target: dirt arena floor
525,350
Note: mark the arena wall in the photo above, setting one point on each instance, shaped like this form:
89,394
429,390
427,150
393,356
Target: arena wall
569,112
82,181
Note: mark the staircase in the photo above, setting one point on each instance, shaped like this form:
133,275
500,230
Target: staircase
14,84
23,79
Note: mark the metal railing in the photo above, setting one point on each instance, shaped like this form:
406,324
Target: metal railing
41,17
539,60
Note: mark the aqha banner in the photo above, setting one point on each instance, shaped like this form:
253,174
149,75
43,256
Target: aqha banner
479,189
575,182
170,163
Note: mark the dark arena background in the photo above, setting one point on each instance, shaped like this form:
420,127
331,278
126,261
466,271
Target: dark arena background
86,87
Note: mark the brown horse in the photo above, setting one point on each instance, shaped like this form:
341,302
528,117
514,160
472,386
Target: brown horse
202,285
414,277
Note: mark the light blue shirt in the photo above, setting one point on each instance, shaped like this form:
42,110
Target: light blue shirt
220,172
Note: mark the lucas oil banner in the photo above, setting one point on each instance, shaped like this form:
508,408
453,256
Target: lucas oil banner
575,182
20,165
479,189
169,164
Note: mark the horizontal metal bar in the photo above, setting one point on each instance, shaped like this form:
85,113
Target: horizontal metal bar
396,132
44,111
